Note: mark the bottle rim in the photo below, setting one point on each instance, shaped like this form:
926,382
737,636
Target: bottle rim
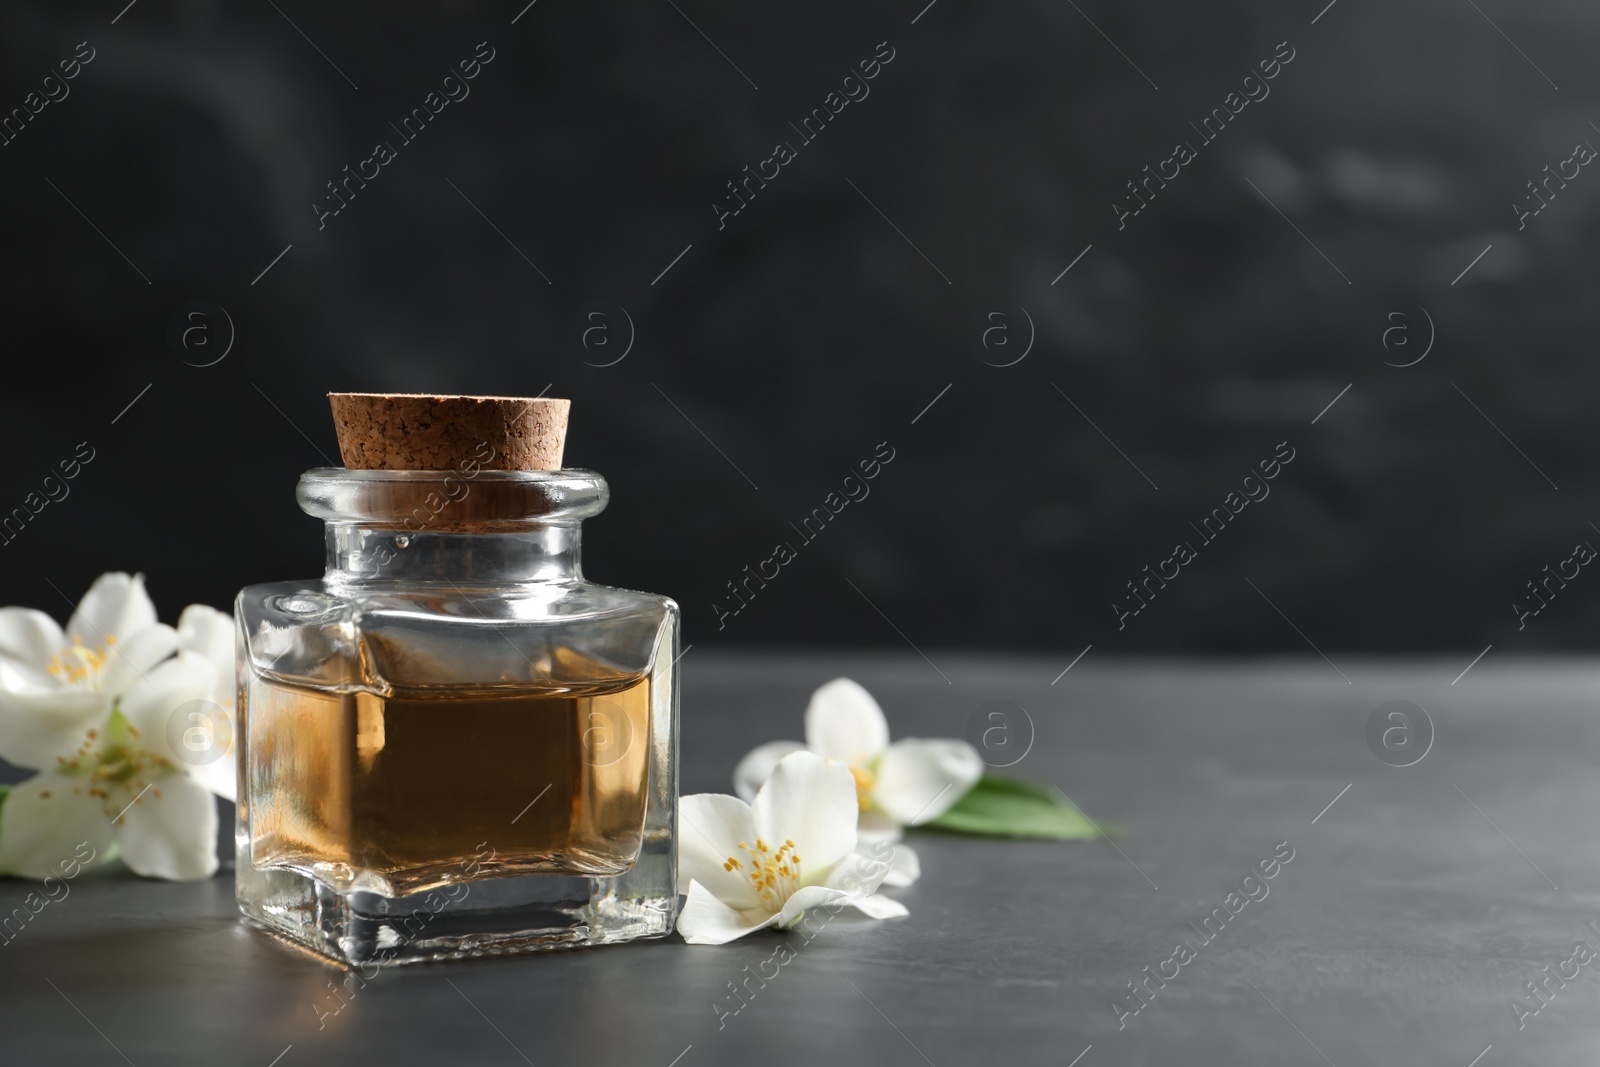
452,500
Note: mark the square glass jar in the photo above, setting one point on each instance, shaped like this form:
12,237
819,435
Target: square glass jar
453,744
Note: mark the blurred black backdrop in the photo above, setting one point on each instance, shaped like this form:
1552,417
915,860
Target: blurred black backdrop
785,344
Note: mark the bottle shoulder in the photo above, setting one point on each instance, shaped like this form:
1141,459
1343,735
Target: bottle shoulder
523,601
441,633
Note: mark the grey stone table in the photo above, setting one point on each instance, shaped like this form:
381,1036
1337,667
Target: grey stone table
1418,903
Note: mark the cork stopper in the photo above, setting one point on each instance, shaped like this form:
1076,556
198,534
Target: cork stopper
423,432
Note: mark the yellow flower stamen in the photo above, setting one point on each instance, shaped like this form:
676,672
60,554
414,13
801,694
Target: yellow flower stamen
117,770
775,875
78,665
865,780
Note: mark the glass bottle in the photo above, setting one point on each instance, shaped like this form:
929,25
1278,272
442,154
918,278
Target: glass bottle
453,744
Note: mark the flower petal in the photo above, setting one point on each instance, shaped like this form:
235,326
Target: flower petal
843,721
171,831
855,888
220,775
150,703
812,802
920,778
756,767
808,897
133,658
711,826
30,636
859,876
705,920
116,605
904,868
19,676
40,833
880,907
38,726
210,632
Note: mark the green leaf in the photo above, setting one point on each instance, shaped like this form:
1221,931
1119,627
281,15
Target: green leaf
1009,807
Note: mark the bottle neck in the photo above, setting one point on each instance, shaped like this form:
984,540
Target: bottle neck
477,527
368,555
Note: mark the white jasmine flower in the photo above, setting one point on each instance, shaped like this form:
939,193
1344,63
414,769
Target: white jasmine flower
209,632
90,709
746,867
897,785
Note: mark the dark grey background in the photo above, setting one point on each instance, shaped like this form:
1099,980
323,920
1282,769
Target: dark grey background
809,330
